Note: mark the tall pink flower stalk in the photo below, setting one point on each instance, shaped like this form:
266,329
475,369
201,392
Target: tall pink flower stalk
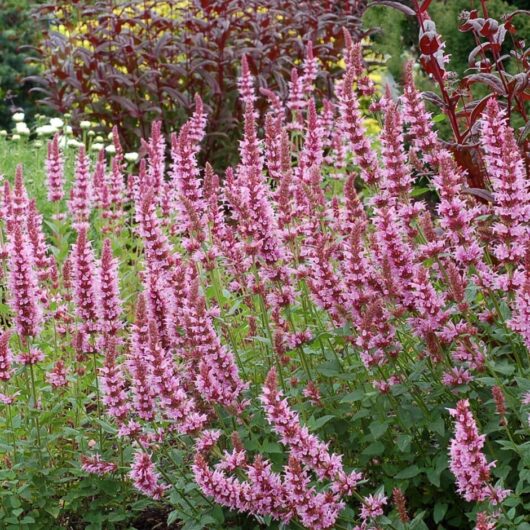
145,478
303,446
511,187
139,363
520,320
217,378
113,384
109,294
467,461
85,283
55,170
23,287
351,124
20,200
80,203
6,357
43,262
167,384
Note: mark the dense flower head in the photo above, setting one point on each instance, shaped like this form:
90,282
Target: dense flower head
80,203
85,282
6,356
23,286
467,460
55,170
113,384
145,478
509,182
57,376
95,465
303,446
109,294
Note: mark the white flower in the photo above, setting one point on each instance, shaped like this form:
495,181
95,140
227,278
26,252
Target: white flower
22,128
110,149
68,130
74,143
62,142
97,147
91,133
131,157
85,124
110,135
18,116
37,143
44,130
98,139
56,122
15,137
3,132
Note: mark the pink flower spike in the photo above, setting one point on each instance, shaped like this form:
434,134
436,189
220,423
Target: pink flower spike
467,461
95,465
23,287
85,284
109,295
113,384
6,356
55,170
145,478
57,377
80,203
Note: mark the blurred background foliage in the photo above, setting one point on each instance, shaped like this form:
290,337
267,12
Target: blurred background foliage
18,32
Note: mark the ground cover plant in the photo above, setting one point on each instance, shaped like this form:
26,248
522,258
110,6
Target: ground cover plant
317,340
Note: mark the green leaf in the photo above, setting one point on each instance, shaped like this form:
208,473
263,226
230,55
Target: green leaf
374,449
315,424
403,442
378,429
409,472
440,509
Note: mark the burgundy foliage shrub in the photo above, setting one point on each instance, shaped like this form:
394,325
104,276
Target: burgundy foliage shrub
146,60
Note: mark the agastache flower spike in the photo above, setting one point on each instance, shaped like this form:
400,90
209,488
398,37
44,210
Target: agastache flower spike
309,69
20,201
305,447
169,389
96,465
520,320
511,187
85,284
116,187
197,123
145,478
156,148
467,461
55,170
38,242
424,140
351,124
113,384
23,286
81,193
245,83
6,356
109,295
139,363
99,184
218,376
397,179
57,377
